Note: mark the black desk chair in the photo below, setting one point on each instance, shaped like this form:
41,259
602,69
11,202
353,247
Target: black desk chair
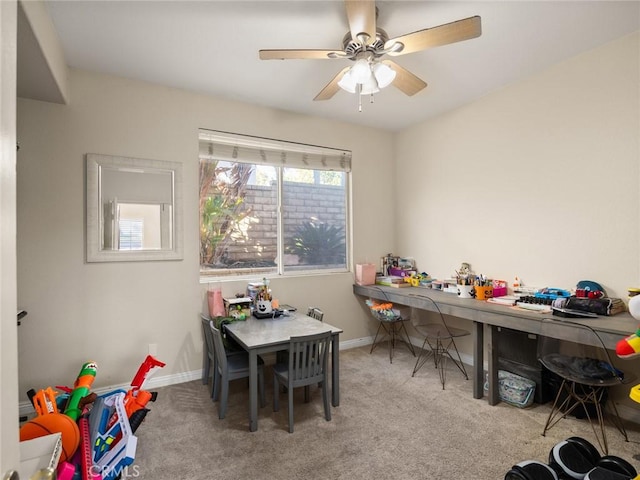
578,356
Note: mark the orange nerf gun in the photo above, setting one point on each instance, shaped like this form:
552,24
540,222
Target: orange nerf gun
43,401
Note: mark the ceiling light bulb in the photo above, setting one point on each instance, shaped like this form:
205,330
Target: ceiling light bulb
347,82
369,87
384,74
361,71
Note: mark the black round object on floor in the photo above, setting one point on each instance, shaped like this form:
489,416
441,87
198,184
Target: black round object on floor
531,470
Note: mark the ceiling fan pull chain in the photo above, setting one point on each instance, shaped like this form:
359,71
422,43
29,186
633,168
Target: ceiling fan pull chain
359,97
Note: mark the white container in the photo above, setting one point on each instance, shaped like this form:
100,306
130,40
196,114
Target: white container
464,291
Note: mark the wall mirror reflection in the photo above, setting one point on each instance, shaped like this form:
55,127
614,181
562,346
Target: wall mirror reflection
133,209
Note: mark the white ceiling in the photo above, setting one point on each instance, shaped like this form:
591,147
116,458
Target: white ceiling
212,47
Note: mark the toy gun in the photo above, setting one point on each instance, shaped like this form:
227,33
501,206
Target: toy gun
43,401
81,388
136,398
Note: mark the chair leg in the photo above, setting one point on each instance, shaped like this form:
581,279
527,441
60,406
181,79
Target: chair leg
215,390
600,417
408,339
458,361
441,361
391,330
557,409
224,397
276,394
325,399
373,345
206,366
422,357
307,394
561,409
618,422
290,401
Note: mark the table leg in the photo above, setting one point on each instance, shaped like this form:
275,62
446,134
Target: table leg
335,370
494,394
253,391
478,360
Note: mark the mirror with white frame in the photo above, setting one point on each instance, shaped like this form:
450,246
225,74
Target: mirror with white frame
133,209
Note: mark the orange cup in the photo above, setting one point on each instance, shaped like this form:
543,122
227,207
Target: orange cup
482,293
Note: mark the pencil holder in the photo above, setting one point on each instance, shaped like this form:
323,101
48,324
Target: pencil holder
464,291
482,293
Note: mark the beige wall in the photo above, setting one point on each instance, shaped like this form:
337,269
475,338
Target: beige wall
111,312
539,180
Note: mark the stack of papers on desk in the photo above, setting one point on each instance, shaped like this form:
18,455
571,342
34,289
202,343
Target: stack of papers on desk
506,300
392,281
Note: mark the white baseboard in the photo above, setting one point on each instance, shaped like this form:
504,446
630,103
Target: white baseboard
25,409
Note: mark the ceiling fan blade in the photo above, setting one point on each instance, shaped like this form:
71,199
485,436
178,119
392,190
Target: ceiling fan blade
361,15
332,87
436,36
405,81
299,54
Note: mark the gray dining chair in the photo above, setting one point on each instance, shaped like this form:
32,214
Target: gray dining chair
313,312
307,365
228,368
208,355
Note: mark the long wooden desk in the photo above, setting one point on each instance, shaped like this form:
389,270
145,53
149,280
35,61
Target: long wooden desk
481,313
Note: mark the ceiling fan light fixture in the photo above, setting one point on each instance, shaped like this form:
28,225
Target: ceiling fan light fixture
347,82
369,87
361,71
384,74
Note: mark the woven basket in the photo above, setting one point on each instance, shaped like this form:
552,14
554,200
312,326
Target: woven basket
387,315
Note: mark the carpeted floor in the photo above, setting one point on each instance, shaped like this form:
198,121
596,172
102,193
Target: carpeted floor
388,426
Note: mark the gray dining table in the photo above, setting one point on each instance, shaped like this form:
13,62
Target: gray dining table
260,336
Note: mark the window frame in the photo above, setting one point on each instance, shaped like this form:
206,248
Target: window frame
280,269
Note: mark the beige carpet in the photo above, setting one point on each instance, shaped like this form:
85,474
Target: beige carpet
388,426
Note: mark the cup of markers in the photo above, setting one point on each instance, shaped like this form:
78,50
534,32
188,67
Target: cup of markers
483,288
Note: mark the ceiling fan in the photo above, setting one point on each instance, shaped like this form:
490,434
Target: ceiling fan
367,45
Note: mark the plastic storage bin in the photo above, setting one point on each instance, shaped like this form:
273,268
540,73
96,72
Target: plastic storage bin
514,389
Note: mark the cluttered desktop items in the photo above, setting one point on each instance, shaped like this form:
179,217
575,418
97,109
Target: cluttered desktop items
262,302
258,301
587,300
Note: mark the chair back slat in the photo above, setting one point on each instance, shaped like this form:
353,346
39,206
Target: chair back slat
315,312
218,346
308,358
208,337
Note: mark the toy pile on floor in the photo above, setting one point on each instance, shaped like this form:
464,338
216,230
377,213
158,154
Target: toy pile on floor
97,432
574,458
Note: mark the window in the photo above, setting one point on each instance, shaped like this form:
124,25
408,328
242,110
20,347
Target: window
130,234
139,226
271,207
